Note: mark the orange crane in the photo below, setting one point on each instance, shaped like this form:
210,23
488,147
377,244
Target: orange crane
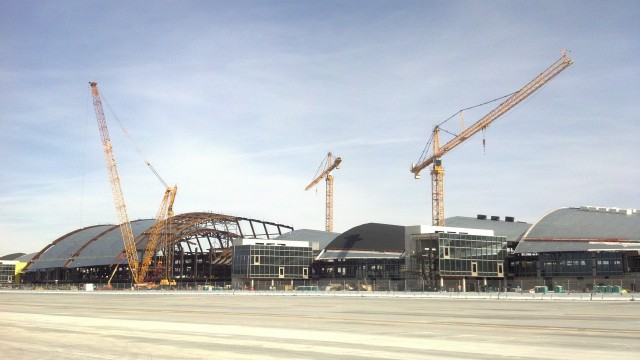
159,230
114,179
437,172
330,163
158,236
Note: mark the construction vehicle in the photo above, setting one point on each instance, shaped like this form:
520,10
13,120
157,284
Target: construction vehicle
434,159
327,166
158,233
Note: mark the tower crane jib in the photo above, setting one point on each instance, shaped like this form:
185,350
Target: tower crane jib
437,172
330,163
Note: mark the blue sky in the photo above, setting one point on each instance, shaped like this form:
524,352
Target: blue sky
239,102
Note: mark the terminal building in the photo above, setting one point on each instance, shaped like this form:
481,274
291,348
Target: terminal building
271,259
577,249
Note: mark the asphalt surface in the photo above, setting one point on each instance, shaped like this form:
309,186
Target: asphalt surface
154,325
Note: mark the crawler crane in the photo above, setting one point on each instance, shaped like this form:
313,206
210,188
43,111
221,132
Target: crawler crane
116,188
437,172
158,231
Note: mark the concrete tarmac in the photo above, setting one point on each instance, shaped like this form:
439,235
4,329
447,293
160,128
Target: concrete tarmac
176,325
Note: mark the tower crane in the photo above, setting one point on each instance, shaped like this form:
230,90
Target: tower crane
330,163
437,171
158,231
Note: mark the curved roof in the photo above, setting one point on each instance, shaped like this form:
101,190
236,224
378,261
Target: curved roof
513,231
583,229
12,256
370,237
101,245
82,248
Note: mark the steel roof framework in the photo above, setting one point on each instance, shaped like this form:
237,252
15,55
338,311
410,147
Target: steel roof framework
195,234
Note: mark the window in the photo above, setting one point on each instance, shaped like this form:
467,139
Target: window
474,269
305,273
256,259
281,272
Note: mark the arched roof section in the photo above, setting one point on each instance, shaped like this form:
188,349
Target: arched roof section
108,247
370,237
13,256
367,241
583,229
102,244
60,250
94,245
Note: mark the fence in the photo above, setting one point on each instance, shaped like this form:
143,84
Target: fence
565,285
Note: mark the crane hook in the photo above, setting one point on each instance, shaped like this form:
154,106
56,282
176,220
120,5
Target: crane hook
484,141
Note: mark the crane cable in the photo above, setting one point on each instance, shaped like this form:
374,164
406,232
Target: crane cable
135,145
425,151
84,159
320,168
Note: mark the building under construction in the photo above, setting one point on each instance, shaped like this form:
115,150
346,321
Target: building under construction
572,249
199,250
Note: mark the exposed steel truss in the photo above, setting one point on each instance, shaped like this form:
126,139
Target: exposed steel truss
194,234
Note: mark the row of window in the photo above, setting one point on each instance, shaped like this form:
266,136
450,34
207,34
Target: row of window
264,271
489,268
7,273
361,268
471,255
263,261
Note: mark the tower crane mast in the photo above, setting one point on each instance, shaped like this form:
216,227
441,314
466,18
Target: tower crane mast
330,163
437,172
116,188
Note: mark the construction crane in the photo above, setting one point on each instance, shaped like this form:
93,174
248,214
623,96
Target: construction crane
158,236
437,171
327,166
114,179
158,232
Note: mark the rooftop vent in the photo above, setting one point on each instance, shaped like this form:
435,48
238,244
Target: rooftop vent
495,218
611,210
509,219
482,217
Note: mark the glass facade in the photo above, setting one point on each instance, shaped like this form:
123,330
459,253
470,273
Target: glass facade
522,265
7,273
271,262
471,255
360,268
581,263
